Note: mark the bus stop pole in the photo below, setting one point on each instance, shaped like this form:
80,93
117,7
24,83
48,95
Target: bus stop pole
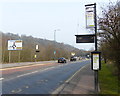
95,71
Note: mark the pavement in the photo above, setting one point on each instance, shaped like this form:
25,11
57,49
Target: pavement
82,82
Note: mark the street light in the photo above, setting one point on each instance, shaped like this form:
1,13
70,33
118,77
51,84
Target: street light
55,41
55,34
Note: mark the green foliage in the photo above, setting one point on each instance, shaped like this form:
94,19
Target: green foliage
108,82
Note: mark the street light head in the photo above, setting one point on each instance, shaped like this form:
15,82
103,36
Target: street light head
57,30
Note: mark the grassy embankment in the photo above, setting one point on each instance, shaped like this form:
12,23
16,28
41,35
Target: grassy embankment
108,82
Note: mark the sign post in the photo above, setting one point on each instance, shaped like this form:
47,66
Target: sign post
14,45
37,50
9,56
91,9
91,22
19,56
35,56
95,60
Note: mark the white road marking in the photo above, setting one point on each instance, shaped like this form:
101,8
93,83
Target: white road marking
16,91
35,72
58,90
27,74
26,86
75,74
25,66
1,78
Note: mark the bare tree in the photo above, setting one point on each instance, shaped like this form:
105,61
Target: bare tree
109,25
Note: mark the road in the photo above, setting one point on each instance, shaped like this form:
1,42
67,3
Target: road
38,79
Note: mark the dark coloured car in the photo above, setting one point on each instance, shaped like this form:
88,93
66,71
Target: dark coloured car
62,60
73,58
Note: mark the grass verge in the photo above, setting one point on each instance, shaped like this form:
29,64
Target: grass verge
108,82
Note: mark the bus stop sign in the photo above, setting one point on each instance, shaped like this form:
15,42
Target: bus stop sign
85,38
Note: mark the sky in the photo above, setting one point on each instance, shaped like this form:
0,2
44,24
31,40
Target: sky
40,18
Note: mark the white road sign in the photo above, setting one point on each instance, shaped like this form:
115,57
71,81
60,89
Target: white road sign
90,17
37,47
73,54
95,61
14,44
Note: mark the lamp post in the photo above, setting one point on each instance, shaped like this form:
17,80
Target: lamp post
55,41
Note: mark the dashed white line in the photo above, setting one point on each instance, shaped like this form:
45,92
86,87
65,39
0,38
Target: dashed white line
41,70
35,72
16,91
1,78
27,74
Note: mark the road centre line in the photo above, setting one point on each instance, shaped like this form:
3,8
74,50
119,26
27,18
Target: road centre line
35,72
27,74
22,67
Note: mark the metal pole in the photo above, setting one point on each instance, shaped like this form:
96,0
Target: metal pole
54,42
54,35
35,56
96,71
19,56
95,27
96,81
9,56
19,50
95,23
10,51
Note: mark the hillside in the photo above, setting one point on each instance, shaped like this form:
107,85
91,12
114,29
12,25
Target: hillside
46,48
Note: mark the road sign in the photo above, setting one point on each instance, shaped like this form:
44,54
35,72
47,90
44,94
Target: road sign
37,47
14,44
37,51
85,38
90,17
72,53
35,56
96,60
54,52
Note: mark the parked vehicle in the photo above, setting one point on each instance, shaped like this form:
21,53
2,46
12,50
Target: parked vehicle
62,60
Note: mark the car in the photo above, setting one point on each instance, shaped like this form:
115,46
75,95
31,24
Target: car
62,60
73,58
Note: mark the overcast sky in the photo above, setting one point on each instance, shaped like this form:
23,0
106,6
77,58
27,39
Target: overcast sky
39,18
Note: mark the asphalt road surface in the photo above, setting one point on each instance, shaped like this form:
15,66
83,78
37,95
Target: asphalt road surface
38,79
